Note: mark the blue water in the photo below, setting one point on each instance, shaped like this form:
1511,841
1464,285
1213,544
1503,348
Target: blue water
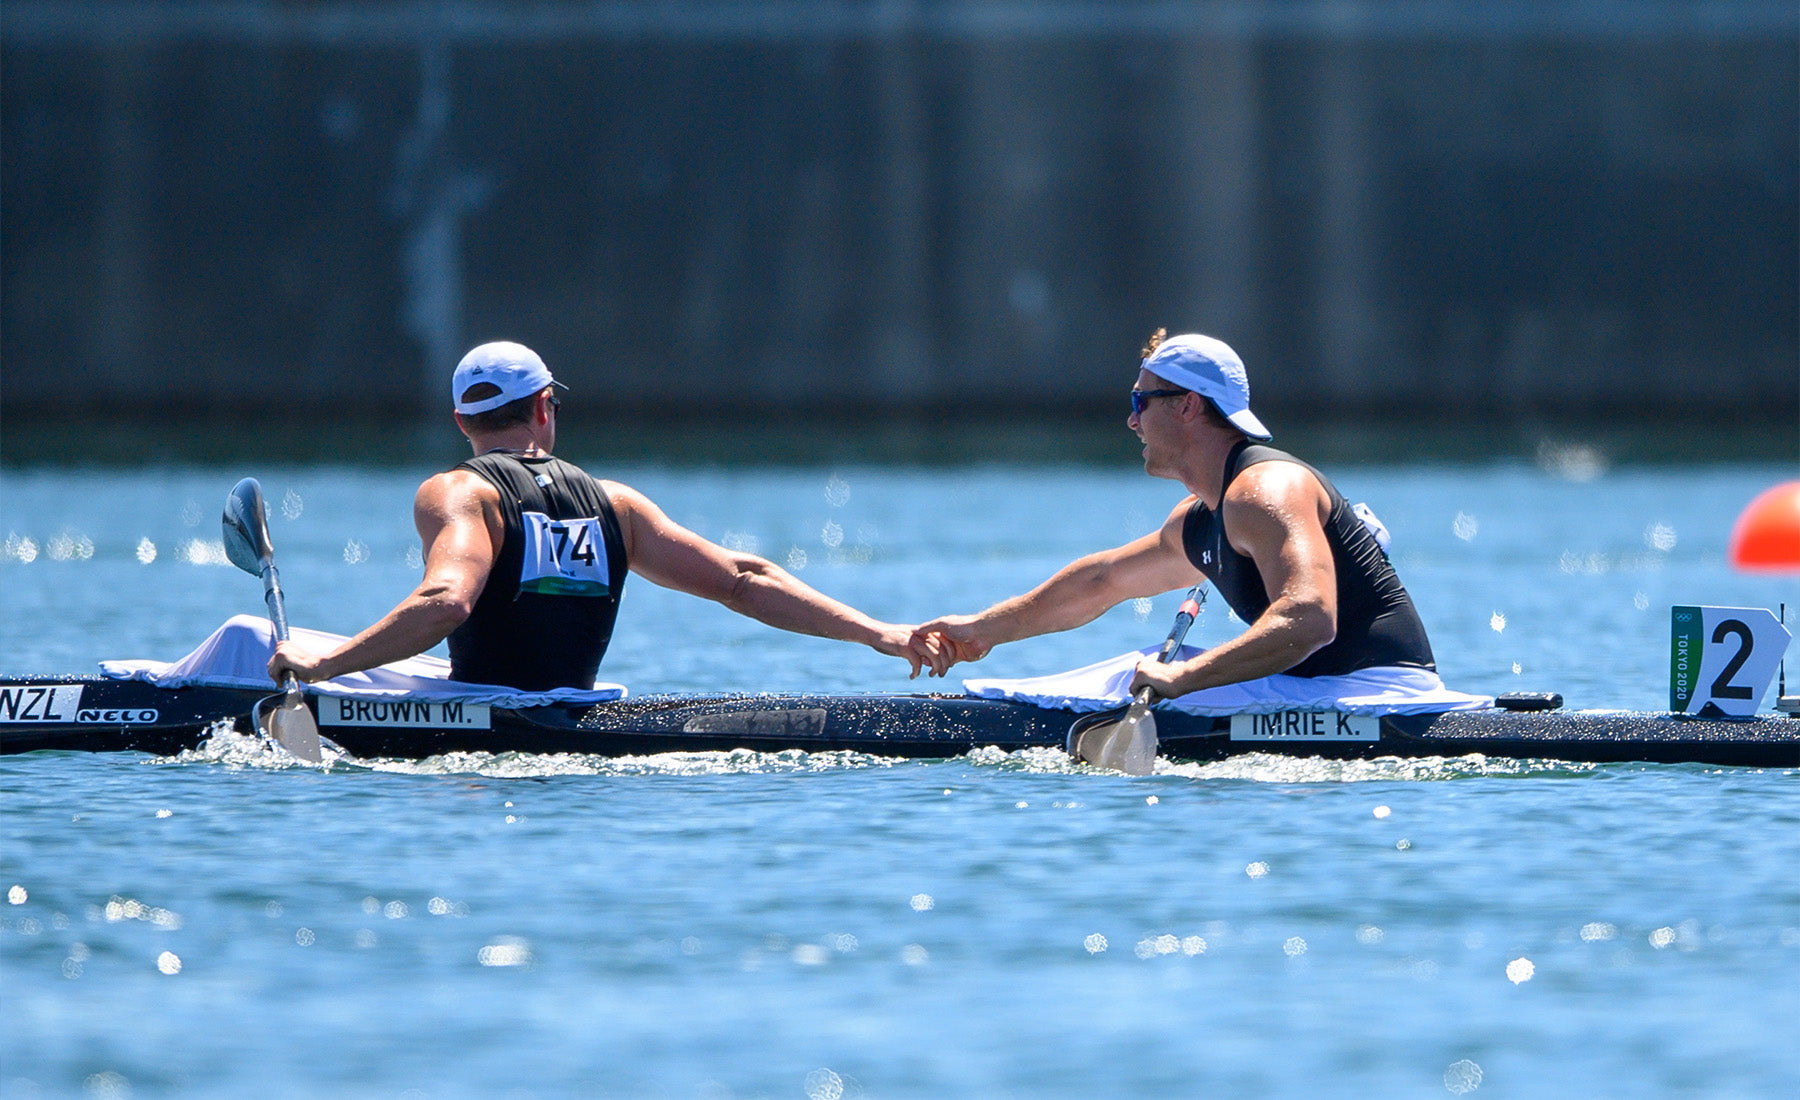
744,925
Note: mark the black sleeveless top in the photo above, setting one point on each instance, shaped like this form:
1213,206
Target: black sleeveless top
1377,623
546,614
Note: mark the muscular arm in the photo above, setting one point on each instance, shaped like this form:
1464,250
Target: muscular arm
663,551
1076,594
458,517
1275,513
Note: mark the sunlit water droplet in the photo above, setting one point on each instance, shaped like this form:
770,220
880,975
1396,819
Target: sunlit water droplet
203,552
823,1084
21,549
505,951
1577,462
70,546
1462,1077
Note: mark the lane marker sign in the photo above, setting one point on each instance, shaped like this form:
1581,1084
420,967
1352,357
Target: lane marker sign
1721,659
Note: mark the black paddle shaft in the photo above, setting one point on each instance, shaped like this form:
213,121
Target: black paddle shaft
1190,610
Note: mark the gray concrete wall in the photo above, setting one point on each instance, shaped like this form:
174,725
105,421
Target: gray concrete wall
818,205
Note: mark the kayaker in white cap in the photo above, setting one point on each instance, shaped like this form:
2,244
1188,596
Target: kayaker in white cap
1276,539
526,555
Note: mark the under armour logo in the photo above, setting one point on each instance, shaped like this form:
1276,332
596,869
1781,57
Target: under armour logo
1206,557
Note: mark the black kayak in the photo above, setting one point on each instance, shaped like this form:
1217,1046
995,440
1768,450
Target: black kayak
99,714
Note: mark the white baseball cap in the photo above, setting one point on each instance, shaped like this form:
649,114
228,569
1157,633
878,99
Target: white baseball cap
1211,369
514,368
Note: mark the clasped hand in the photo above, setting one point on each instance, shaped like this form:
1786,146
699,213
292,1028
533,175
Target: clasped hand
1160,678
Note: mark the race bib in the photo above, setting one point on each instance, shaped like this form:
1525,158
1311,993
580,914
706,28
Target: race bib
564,557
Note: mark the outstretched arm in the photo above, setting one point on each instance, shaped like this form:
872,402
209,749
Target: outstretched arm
457,514
1075,595
668,554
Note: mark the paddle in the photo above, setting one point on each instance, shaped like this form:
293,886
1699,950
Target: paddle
1124,738
282,718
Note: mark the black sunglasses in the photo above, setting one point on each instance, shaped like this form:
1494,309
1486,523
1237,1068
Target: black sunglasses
1139,398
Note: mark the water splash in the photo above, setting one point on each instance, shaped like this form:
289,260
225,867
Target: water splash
223,743
1270,768
520,765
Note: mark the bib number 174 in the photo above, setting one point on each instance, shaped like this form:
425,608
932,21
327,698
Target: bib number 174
563,557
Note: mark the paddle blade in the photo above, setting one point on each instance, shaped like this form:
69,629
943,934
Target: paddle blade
246,528
291,725
1127,744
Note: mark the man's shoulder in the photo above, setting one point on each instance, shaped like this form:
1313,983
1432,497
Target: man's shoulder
1278,487
1279,472
623,497
458,485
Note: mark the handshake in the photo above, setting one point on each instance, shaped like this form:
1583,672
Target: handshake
934,647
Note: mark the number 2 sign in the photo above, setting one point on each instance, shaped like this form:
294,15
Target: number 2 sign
1723,658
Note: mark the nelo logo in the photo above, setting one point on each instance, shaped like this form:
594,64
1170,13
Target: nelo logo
122,717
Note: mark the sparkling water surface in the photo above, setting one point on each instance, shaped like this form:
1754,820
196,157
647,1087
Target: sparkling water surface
229,923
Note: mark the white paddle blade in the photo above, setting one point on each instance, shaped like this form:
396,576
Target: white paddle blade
1128,745
293,727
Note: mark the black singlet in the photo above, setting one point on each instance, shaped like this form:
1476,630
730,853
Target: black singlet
546,614
1377,623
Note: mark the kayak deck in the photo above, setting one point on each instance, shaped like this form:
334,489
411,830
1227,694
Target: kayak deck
95,714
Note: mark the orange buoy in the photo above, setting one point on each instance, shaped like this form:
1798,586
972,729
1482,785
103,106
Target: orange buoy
1767,534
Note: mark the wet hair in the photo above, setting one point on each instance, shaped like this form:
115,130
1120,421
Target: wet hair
493,420
1155,341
